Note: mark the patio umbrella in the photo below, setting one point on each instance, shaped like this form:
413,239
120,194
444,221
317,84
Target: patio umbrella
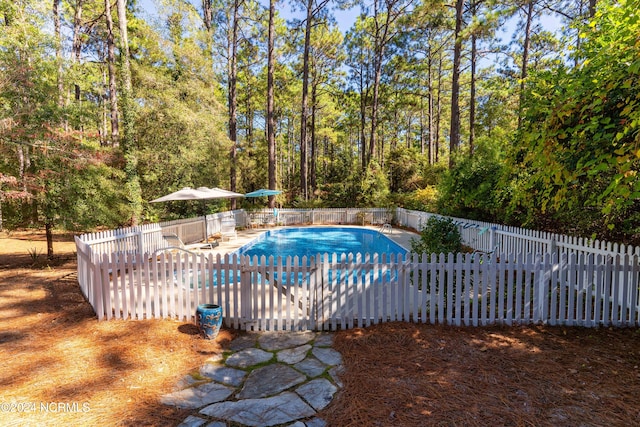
224,194
263,192
186,193
200,193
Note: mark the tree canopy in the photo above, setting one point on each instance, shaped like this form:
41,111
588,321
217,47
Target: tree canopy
421,103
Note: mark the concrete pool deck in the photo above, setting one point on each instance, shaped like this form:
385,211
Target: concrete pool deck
400,236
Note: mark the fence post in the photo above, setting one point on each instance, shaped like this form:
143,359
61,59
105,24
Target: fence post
553,246
544,266
492,238
246,283
140,242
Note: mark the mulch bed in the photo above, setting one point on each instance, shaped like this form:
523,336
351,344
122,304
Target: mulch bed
61,366
404,374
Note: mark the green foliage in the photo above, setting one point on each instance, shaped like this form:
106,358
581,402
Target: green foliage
439,235
579,158
374,187
34,254
403,169
471,189
180,126
424,199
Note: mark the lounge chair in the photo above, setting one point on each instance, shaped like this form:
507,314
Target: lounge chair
174,242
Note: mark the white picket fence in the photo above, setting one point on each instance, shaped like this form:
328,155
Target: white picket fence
558,281
493,238
332,292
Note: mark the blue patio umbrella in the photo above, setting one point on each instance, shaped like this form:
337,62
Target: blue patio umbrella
263,192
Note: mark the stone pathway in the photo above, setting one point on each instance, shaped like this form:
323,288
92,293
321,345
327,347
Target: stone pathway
271,378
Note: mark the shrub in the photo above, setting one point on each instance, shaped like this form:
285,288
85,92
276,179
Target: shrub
439,235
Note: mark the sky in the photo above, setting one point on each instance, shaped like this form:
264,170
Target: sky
344,18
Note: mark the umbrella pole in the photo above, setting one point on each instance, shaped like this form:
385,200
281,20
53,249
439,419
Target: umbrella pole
206,223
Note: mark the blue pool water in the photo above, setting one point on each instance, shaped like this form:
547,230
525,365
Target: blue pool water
308,241
311,241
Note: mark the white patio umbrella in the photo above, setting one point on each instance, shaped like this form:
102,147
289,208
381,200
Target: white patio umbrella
221,193
200,193
186,193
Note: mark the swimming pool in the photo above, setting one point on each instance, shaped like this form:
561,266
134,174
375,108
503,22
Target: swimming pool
300,242
311,241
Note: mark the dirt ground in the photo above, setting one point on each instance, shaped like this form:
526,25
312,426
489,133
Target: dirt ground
60,365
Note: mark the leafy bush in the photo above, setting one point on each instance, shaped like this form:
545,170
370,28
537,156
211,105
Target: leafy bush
424,199
439,235
471,189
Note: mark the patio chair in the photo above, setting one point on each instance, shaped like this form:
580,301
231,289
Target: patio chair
252,221
228,229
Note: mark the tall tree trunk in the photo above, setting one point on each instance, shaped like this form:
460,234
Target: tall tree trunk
436,145
103,111
23,164
363,119
304,184
378,55
77,42
312,145
472,91
232,101
58,38
422,129
430,109
128,141
48,227
207,14
271,121
111,66
454,134
525,58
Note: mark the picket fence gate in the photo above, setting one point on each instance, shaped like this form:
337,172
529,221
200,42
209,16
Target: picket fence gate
330,292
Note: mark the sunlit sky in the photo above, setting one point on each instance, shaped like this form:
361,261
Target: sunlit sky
293,10
345,19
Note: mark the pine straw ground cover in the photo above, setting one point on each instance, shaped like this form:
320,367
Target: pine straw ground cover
53,351
59,365
401,374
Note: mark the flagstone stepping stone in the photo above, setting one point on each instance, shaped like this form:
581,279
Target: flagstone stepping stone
323,340
192,421
274,341
327,356
243,342
293,355
318,393
223,374
281,409
311,366
196,397
269,381
335,373
249,357
313,422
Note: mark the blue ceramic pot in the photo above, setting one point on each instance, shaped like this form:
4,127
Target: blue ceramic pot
209,320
